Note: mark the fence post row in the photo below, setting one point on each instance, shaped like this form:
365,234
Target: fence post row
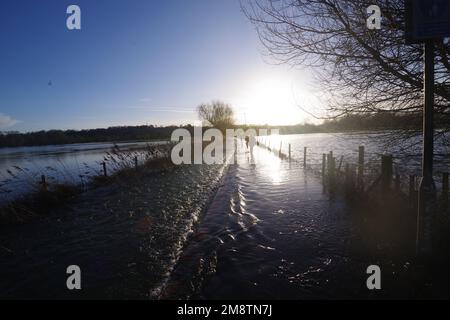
351,181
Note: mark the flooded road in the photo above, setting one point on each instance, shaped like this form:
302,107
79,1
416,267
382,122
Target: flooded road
272,232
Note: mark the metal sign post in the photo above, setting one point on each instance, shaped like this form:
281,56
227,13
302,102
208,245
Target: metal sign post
427,188
427,21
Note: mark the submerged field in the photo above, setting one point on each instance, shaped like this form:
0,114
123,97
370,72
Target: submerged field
125,237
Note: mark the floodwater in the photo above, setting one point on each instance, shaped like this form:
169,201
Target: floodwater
125,238
407,153
273,232
73,163
270,231
59,163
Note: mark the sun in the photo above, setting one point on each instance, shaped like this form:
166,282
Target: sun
271,100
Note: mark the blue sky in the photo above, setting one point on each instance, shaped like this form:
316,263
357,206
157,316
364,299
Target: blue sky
133,62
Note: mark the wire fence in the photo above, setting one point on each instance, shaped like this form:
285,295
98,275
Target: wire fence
24,180
363,170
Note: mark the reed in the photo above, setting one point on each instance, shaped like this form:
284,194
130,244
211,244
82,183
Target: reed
54,185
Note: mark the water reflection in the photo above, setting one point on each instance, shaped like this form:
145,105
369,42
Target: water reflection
271,165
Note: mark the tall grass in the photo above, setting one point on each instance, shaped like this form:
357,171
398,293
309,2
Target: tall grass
62,183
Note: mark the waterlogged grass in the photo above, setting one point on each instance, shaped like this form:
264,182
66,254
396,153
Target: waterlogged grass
126,235
61,185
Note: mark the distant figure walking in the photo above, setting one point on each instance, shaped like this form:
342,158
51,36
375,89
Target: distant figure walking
252,142
247,139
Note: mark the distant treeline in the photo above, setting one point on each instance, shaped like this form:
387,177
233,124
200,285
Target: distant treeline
377,121
380,121
366,122
111,134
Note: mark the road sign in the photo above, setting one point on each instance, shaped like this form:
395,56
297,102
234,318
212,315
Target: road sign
427,20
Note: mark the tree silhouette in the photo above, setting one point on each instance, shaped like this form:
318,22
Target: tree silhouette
363,71
217,113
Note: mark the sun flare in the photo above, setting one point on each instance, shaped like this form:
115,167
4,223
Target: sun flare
273,101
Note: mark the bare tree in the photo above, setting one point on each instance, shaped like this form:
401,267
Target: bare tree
217,113
363,71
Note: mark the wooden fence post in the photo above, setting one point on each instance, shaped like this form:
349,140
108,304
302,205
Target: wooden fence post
329,157
235,151
386,172
324,167
331,169
105,172
361,167
340,164
304,156
44,182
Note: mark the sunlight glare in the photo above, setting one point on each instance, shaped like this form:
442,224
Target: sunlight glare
269,101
